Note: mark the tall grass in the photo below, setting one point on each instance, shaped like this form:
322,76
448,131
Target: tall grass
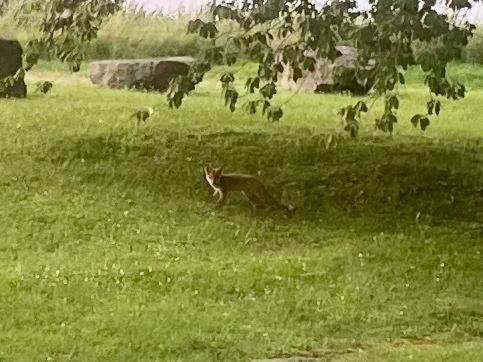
16,24
132,33
137,34
473,53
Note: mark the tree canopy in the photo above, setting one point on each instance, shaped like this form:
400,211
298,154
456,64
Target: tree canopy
274,33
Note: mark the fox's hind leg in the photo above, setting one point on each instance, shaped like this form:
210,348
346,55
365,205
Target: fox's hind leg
250,198
253,209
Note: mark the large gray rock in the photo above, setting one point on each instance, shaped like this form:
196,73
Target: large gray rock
152,74
10,62
329,76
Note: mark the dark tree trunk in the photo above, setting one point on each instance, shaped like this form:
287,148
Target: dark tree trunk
10,63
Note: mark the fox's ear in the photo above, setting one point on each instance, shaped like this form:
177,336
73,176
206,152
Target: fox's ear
219,170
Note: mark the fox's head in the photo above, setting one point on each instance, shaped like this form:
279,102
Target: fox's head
212,175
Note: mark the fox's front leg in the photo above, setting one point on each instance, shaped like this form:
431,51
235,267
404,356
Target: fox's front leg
221,199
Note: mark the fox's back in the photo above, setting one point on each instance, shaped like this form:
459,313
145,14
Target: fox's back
253,189
240,182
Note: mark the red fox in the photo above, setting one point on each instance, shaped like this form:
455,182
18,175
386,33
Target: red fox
252,188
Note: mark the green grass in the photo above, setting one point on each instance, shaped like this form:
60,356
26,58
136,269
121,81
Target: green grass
110,249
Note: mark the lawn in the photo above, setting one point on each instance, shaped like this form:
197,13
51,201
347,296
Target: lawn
110,248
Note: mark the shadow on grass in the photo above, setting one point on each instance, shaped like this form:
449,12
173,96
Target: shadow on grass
376,179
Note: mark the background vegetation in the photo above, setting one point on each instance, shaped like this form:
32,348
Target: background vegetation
473,52
110,249
137,34
128,34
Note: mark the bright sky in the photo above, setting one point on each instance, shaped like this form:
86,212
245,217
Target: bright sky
170,6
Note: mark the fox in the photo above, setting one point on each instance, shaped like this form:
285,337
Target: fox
251,187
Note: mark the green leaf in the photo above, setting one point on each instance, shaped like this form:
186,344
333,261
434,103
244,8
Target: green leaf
427,61
252,84
278,67
401,78
309,64
424,123
215,55
261,37
175,100
251,107
390,118
208,30
352,128
231,97
225,12
392,102
459,4
227,77
390,127
415,119
437,107
461,90
361,107
74,67
194,26
274,113
268,90
297,73
430,106
230,59
265,106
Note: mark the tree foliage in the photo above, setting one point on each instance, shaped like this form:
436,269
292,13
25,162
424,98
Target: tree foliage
65,30
293,33
303,32
67,26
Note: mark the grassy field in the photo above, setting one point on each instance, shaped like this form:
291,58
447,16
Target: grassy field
110,249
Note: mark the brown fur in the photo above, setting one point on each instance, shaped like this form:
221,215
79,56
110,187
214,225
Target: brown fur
251,187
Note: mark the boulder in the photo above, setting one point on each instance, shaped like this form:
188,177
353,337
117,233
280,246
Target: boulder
328,76
152,74
10,63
